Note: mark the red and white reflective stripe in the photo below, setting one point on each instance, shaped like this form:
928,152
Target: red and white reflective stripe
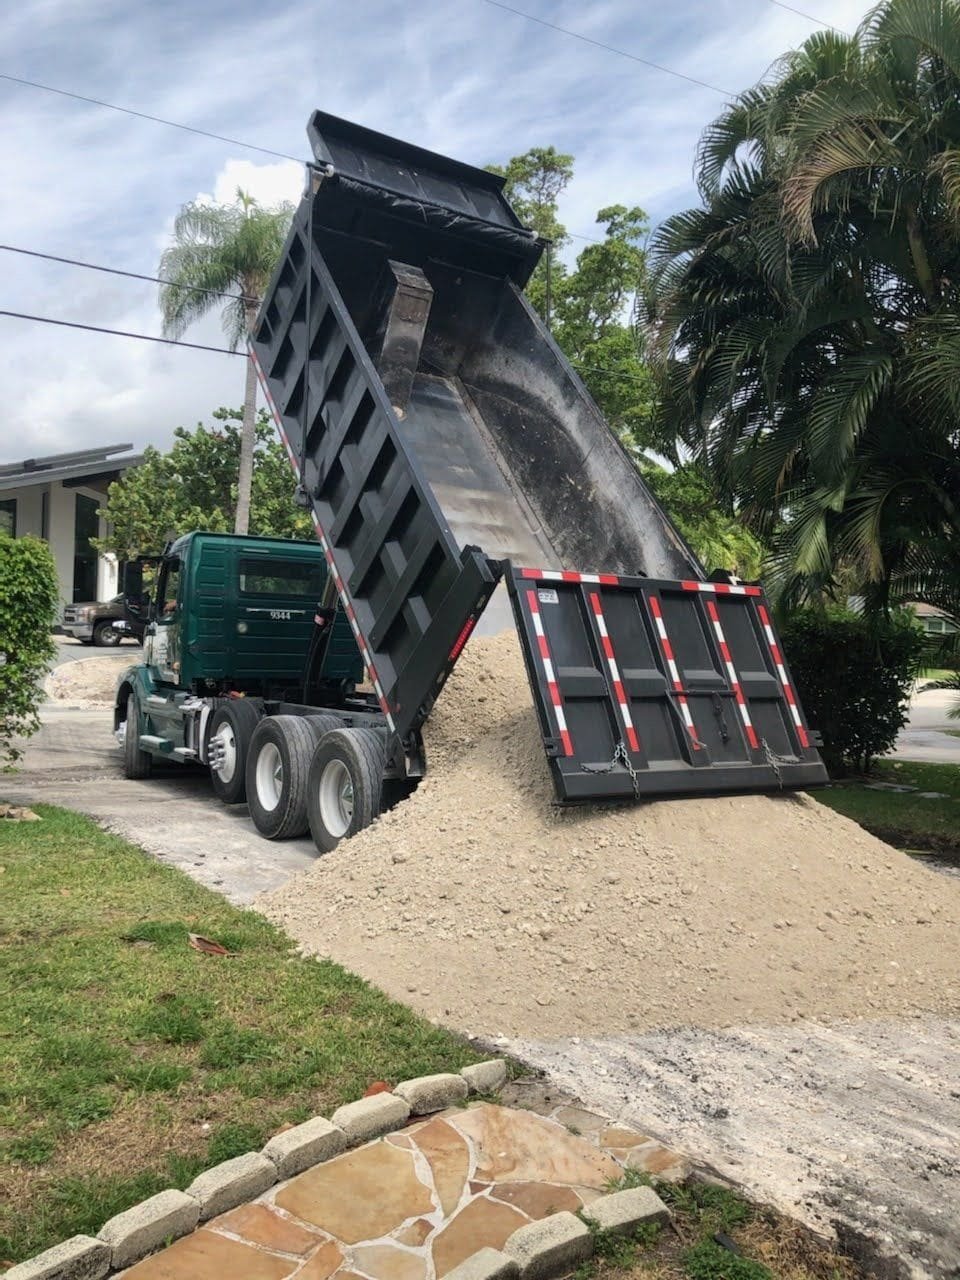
783,677
618,689
328,553
721,588
732,674
549,672
671,661
568,575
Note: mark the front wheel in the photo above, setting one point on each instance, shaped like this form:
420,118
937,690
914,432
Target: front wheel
136,762
344,786
104,633
232,726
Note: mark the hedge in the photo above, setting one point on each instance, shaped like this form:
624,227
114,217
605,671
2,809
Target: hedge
28,606
853,674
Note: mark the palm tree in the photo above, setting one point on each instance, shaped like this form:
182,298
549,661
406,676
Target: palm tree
224,250
806,319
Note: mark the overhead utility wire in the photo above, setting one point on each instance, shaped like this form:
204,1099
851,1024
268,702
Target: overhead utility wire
115,271
199,346
577,35
120,333
809,17
219,137
143,115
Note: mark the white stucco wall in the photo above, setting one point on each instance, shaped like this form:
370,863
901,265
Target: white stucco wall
60,532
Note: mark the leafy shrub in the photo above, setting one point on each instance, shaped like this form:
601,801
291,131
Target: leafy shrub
853,674
29,594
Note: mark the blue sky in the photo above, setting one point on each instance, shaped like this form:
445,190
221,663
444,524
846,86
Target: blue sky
457,76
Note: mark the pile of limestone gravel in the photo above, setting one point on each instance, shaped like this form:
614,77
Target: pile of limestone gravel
88,683
486,906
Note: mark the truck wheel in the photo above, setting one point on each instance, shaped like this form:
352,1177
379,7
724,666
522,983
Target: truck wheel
105,634
319,725
344,786
136,762
231,727
278,763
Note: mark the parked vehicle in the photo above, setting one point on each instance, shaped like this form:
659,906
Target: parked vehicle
442,443
97,622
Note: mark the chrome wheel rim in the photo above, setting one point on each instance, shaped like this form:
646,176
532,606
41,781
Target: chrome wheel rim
269,776
223,753
336,798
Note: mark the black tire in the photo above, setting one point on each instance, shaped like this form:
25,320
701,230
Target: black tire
106,635
324,723
234,723
87,641
278,764
136,762
344,786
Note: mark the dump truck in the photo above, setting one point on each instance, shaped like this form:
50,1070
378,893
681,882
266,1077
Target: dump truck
460,480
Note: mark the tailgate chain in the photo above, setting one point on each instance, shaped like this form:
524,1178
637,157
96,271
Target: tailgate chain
775,761
620,756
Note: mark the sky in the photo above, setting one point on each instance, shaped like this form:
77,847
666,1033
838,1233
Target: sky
463,77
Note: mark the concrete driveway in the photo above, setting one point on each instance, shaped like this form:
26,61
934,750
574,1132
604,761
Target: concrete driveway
70,650
74,761
924,737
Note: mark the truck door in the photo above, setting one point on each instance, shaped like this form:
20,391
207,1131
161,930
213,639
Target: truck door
162,649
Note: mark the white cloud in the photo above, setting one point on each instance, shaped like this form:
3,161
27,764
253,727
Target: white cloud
269,184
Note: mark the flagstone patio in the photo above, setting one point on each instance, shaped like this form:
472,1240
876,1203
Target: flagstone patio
415,1204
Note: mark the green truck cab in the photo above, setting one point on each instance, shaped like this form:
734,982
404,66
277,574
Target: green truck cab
240,631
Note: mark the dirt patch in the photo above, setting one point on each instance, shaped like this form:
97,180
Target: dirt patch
88,683
486,906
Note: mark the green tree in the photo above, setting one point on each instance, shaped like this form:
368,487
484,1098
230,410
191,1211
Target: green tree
805,320
219,249
534,184
594,302
719,540
29,596
194,486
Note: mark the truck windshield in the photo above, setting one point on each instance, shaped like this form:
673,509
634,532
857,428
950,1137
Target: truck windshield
282,578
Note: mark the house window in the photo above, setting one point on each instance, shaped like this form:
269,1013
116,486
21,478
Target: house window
86,526
8,516
45,515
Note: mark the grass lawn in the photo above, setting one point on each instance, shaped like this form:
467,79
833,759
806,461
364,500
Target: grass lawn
902,818
935,673
768,1247
129,1061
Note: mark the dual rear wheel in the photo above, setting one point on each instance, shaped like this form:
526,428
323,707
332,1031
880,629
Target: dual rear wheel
297,773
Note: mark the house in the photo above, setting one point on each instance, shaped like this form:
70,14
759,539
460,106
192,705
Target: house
933,620
58,498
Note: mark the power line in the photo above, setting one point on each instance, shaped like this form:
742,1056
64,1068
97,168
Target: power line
199,346
809,17
577,35
115,271
143,115
120,333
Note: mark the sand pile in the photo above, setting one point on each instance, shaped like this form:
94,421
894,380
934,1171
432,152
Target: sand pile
89,682
483,904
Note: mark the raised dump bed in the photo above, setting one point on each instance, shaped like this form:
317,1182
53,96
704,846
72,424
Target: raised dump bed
440,437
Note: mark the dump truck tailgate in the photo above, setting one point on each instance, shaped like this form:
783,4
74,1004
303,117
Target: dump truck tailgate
647,687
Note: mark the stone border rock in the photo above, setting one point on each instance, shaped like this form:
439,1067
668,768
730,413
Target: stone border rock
556,1245
153,1224
541,1250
